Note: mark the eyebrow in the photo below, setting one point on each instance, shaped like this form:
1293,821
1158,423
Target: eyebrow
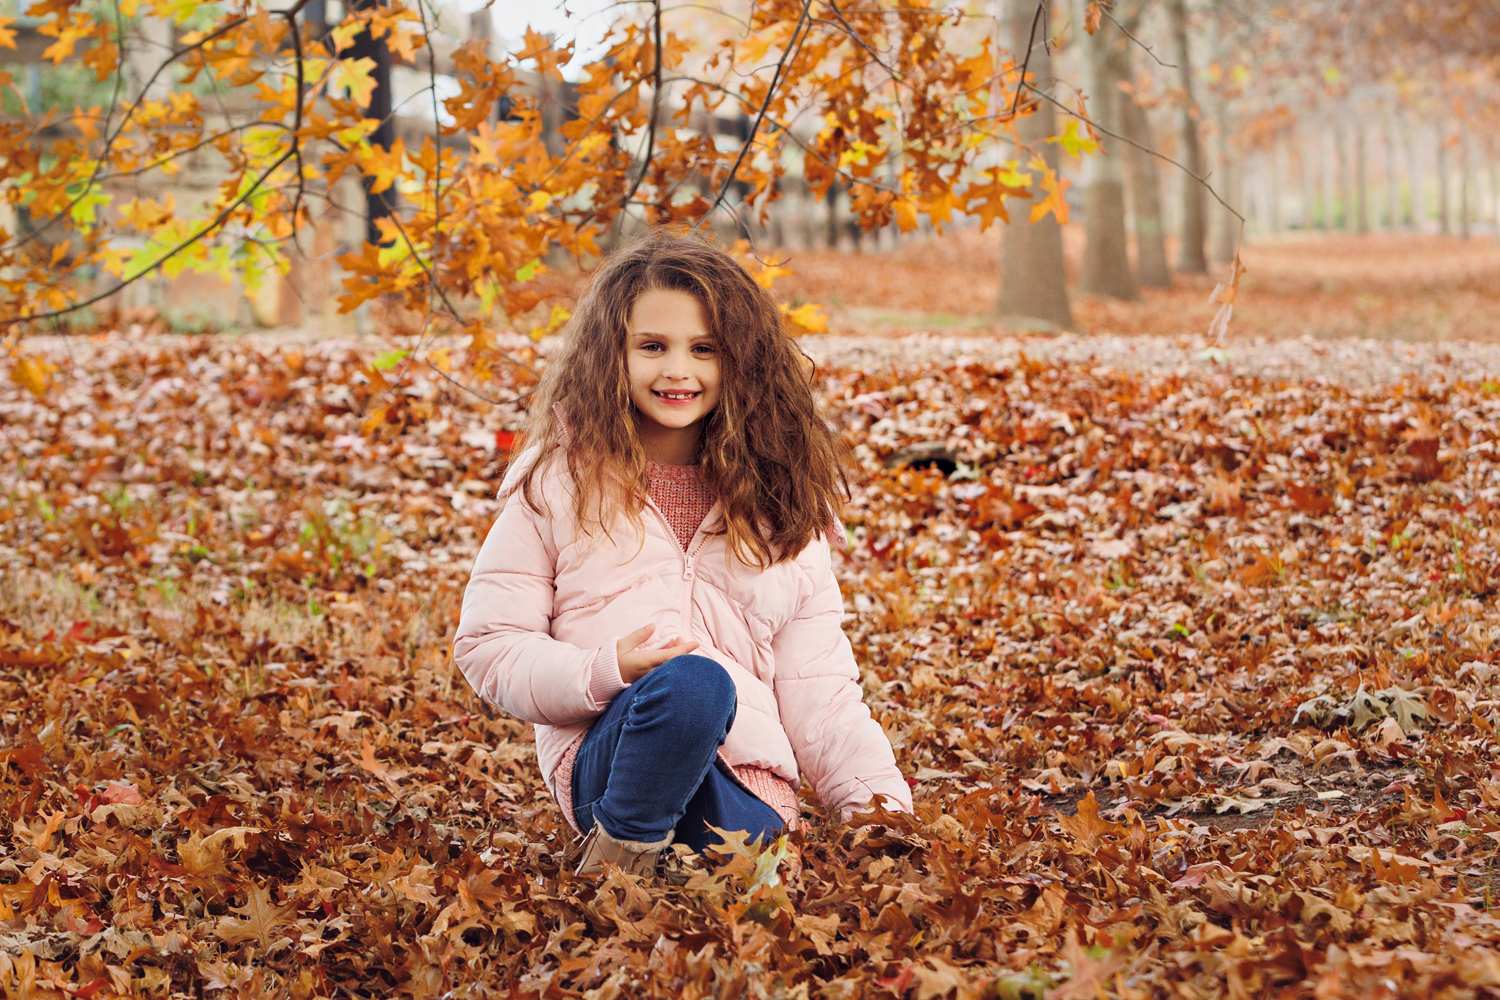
654,333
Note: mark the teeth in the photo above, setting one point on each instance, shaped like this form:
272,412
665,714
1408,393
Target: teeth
677,395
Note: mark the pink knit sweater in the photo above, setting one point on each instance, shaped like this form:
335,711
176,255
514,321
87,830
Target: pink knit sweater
679,492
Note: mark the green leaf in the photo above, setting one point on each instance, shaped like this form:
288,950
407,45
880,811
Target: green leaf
526,273
85,212
388,360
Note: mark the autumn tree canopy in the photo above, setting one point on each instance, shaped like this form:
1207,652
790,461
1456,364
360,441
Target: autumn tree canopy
909,100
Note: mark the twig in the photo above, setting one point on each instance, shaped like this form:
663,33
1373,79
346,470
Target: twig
833,6
793,46
1137,41
176,153
291,23
1145,149
437,193
129,114
656,91
215,224
447,304
473,391
1026,63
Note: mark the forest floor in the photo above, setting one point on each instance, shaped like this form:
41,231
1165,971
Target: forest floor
1189,656
1381,287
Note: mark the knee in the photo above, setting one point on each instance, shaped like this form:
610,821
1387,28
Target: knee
696,683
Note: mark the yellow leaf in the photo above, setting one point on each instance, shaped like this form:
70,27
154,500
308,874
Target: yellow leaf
1010,174
344,34
806,318
404,44
33,374
559,316
538,201
1075,144
355,76
114,259
766,274
7,34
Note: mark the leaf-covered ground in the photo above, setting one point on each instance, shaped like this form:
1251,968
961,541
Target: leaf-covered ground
1193,673
1402,287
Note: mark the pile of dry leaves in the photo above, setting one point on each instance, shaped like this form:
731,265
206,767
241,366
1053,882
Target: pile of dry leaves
1192,676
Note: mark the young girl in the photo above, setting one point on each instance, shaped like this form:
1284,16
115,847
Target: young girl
657,594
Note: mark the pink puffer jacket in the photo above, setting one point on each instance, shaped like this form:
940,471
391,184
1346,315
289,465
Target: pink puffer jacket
546,605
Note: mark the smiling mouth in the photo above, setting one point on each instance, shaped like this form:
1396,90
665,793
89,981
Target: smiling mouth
675,397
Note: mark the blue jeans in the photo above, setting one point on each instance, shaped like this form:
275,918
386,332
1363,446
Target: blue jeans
646,767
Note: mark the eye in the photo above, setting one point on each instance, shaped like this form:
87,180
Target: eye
703,349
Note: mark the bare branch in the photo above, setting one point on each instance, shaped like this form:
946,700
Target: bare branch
1148,50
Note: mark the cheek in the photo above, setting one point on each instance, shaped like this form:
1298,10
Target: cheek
637,371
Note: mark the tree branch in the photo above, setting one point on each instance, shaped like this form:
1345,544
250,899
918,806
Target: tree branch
656,94
793,46
215,224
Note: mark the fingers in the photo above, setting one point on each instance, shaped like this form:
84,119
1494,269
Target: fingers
634,639
660,656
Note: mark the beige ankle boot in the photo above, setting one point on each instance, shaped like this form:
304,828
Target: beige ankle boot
632,856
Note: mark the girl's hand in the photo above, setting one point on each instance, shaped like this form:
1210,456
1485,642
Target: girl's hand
636,663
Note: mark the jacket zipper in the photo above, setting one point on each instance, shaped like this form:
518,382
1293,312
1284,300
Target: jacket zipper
689,564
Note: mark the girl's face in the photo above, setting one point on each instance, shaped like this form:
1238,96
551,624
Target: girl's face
673,369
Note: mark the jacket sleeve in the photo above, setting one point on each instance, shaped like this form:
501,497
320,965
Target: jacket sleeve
504,644
839,747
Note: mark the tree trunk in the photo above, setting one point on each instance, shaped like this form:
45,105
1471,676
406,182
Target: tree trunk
1344,213
1359,206
1144,182
1495,201
1361,189
1329,220
1307,164
377,206
1275,169
1392,181
1106,252
1190,258
1414,186
146,52
1224,226
1445,226
1465,182
1031,268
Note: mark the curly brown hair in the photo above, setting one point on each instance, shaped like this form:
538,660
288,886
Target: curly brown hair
773,463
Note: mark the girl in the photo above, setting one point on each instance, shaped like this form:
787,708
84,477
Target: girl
657,594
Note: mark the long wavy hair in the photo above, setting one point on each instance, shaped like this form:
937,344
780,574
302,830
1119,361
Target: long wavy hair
772,462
